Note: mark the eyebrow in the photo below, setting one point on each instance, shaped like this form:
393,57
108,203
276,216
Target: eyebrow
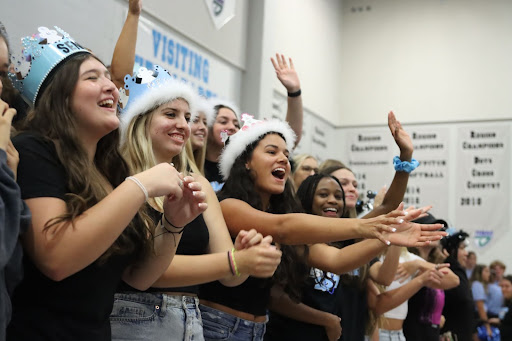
98,71
274,146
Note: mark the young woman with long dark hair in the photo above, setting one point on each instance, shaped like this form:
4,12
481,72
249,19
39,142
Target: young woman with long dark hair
257,194
89,226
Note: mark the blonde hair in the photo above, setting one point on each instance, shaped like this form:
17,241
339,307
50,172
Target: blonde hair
299,159
138,150
196,158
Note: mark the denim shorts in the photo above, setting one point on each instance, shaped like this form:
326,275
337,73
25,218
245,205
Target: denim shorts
218,325
391,335
156,316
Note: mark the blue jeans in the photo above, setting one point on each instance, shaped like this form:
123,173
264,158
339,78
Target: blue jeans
155,316
218,325
391,335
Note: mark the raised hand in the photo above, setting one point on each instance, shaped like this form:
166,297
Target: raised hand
414,235
135,7
246,239
181,210
6,116
260,260
286,74
402,138
381,226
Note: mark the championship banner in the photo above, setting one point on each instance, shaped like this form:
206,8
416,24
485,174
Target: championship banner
483,182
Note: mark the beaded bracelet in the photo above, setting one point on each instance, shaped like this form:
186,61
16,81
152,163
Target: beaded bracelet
405,166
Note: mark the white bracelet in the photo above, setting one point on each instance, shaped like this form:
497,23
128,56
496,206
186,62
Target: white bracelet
134,179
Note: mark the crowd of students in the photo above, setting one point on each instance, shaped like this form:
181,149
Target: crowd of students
150,213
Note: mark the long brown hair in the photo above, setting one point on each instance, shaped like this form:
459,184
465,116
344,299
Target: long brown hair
87,182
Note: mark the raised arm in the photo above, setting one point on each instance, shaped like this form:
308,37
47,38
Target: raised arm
179,210
254,256
66,248
339,261
290,80
384,272
391,299
396,191
124,52
298,228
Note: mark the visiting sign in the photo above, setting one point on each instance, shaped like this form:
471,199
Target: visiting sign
185,60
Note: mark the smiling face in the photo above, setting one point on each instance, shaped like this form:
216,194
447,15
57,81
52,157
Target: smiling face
94,101
328,199
226,120
198,132
308,167
269,165
169,129
349,183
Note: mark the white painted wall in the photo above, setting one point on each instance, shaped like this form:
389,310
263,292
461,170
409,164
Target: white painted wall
430,61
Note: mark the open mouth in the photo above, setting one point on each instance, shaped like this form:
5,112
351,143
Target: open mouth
279,173
108,103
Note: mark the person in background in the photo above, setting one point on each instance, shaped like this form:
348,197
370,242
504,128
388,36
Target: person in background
459,307
505,318
488,298
304,165
497,271
470,263
227,118
8,93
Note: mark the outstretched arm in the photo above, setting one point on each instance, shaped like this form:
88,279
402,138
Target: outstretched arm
290,80
124,52
396,191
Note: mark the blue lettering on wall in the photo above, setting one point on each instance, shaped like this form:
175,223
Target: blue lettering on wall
180,56
200,89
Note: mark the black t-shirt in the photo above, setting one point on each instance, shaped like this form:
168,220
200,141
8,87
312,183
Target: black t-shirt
459,306
506,323
78,307
194,241
421,307
212,173
339,295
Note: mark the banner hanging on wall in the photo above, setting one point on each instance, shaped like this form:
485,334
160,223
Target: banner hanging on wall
465,172
185,60
482,184
221,11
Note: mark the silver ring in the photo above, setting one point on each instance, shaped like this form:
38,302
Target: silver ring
181,184
172,164
437,266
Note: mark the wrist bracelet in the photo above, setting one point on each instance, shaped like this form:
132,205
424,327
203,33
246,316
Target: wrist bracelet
405,166
230,264
234,262
295,94
168,222
134,179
